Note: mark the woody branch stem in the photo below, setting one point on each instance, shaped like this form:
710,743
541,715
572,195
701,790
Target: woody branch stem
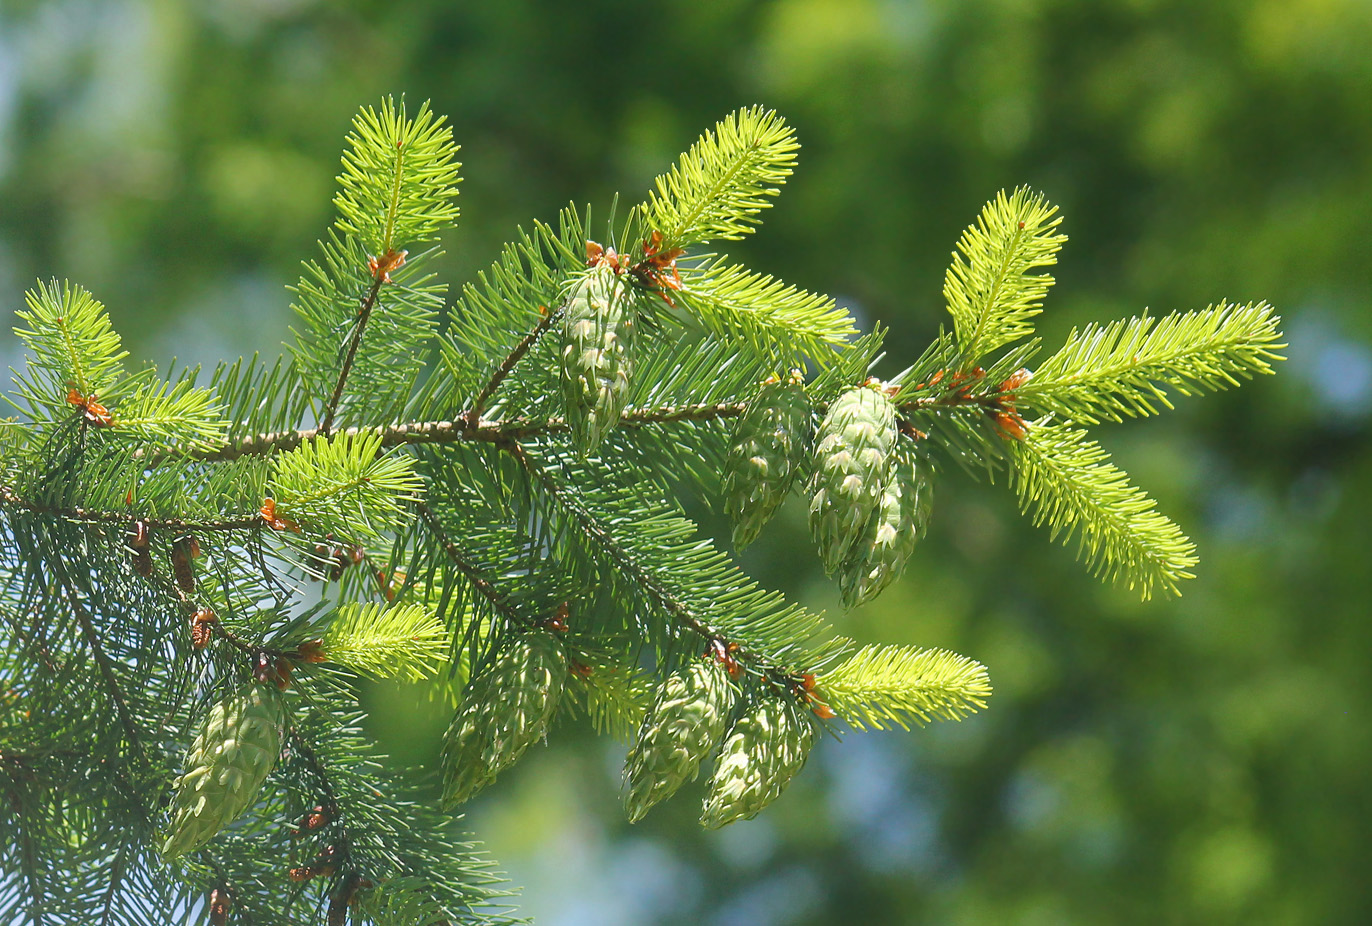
363,315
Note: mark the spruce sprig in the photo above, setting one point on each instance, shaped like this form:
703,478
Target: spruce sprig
772,317
343,486
399,179
405,641
1121,368
74,346
990,289
883,686
718,187
1068,483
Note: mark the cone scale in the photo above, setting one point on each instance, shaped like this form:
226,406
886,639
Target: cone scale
763,752
900,520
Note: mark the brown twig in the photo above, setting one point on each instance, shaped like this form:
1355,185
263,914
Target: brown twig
473,417
102,659
458,430
354,342
473,574
93,516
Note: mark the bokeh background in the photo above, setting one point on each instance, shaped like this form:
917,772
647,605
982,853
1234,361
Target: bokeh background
1203,760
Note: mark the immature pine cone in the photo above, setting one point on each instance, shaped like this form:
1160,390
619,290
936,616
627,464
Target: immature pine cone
764,751
507,709
226,765
897,525
597,359
770,446
852,468
686,724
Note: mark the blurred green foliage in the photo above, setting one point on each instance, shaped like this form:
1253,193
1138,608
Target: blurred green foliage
1193,761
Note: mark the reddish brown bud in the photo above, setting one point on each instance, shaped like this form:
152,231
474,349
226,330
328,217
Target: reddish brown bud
202,628
1012,424
219,907
96,414
263,670
381,267
268,513
311,651
315,819
181,566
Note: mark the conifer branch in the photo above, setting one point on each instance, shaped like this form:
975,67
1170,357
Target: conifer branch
990,292
29,862
511,517
1118,369
1070,485
443,432
594,528
78,515
116,875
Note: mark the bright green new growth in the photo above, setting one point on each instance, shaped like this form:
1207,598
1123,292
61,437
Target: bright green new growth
1110,371
768,453
884,686
76,348
404,641
763,752
343,486
1069,483
718,187
226,766
517,514
399,178
991,294
685,725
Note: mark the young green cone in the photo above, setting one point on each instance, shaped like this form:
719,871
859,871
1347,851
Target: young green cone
852,466
597,359
507,709
686,723
226,765
770,444
897,525
764,751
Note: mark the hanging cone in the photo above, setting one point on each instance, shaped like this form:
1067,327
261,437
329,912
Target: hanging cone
226,765
506,709
597,359
897,525
764,751
770,446
684,726
852,467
